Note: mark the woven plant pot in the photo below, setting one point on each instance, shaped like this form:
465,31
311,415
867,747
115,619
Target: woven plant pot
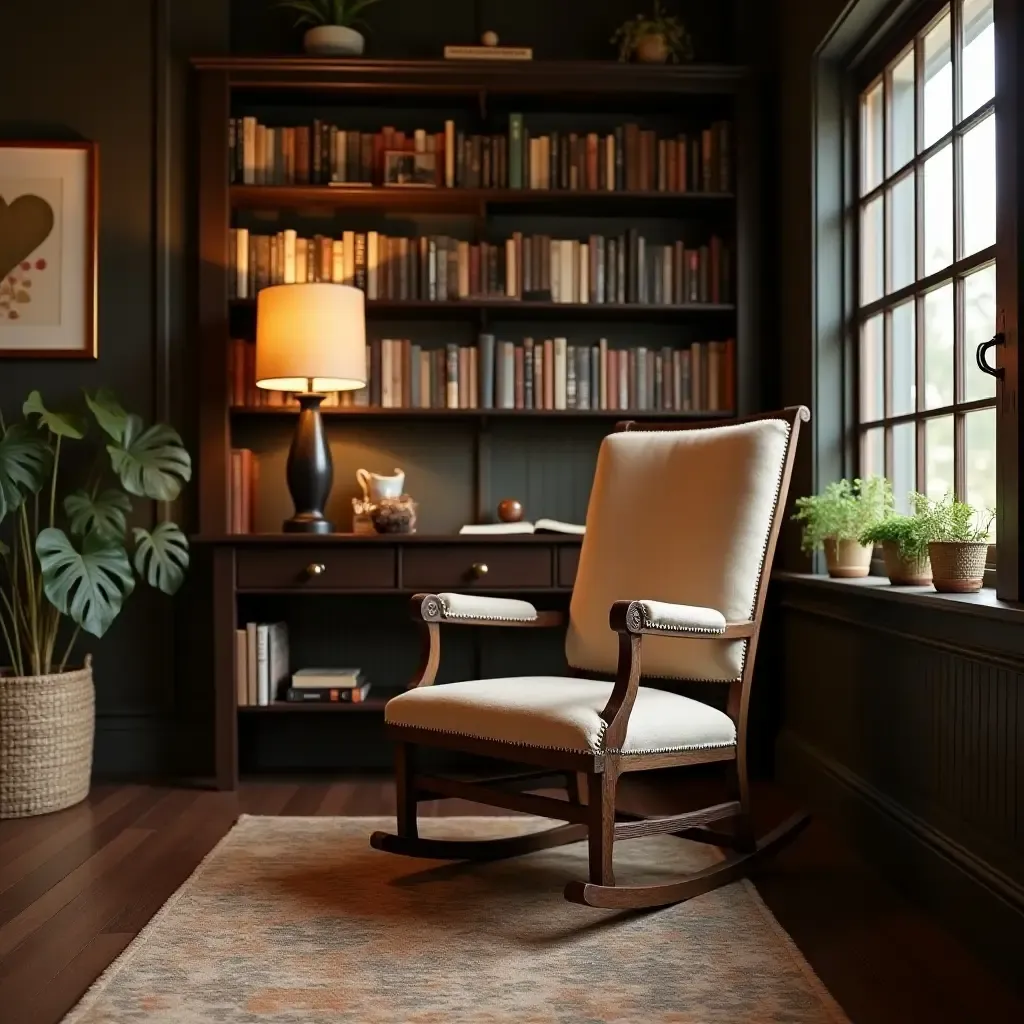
846,559
46,737
905,572
958,568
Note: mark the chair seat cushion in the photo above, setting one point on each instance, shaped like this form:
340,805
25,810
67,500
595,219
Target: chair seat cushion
560,713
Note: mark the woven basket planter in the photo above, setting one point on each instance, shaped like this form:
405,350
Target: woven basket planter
958,568
846,559
905,572
46,738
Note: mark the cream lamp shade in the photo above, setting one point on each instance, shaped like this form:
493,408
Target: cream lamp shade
311,338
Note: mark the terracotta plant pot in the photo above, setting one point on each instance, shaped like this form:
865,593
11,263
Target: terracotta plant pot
958,567
651,49
47,724
333,41
846,559
905,572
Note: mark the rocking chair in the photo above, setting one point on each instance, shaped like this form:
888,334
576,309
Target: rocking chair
681,531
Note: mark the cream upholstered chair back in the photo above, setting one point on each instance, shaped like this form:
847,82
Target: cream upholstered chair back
683,516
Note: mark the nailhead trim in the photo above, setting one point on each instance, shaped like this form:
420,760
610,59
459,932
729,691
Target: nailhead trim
485,618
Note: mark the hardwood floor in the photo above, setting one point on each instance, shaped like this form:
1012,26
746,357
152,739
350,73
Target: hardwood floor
76,887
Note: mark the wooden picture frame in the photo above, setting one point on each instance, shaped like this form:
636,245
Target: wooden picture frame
403,169
49,209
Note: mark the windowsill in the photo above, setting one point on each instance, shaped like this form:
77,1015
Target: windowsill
984,603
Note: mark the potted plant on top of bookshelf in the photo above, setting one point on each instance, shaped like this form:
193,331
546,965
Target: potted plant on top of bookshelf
904,540
332,31
68,566
657,38
837,518
958,545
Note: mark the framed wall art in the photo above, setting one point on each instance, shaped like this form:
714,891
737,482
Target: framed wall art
48,227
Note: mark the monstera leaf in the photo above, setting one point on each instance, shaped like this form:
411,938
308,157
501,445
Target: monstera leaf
90,584
161,557
24,462
56,422
106,513
113,420
151,462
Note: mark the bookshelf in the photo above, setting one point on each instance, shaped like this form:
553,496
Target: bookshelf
459,461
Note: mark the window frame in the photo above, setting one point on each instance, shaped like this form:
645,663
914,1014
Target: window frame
874,66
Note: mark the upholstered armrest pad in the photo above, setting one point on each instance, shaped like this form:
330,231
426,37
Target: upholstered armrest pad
472,608
662,618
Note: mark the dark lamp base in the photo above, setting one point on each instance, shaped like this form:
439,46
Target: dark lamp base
308,524
309,472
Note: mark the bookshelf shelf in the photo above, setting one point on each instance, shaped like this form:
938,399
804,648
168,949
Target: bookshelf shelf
520,309
373,704
357,412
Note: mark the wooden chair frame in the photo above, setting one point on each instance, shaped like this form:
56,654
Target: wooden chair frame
595,818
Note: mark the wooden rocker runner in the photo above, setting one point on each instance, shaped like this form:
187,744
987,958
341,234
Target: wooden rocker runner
681,532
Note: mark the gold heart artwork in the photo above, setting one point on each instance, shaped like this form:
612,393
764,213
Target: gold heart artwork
24,225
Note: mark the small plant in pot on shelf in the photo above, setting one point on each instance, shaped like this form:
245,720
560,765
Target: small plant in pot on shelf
904,541
331,25
836,519
68,562
958,545
657,38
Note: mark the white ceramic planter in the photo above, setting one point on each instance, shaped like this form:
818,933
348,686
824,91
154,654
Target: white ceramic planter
333,41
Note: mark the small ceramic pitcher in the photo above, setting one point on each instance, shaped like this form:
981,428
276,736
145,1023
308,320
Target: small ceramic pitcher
377,487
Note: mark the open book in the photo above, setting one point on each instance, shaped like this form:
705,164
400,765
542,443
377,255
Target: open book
506,529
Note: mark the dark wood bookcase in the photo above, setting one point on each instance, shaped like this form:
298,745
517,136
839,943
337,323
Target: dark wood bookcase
459,462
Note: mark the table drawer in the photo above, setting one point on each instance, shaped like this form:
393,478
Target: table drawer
462,566
313,568
568,564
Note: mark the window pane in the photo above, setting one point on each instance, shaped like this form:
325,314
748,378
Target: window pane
979,326
871,122
938,347
981,461
938,211
901,234
938,456
902,377
904,461
938,82
872,452
871,235
872,370
978,66
979,186
901,112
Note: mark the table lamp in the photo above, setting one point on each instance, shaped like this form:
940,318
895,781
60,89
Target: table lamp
310,339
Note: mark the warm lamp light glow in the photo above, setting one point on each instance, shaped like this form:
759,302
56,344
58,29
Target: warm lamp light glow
311,338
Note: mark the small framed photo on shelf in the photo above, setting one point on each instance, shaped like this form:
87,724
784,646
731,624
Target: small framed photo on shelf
410,170
48,217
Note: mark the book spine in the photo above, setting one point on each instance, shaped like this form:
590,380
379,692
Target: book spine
515,151
528,373
452,377
560,373
262,666
486,365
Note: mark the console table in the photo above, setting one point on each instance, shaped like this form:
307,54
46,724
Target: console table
284,567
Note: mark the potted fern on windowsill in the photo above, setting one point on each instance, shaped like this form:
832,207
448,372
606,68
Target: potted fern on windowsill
904,540
68,562
836,519
958,545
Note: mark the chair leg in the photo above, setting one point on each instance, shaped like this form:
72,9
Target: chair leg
405,791
601,824
739,787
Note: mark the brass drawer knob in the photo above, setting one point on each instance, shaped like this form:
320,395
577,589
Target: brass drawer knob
480,569
315,569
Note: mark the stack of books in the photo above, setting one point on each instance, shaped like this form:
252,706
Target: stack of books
627,268
261,662
627,159
548,373
327,686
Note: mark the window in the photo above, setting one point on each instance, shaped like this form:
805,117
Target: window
926,245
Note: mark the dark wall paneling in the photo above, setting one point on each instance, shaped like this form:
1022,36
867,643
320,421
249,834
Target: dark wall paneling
916,712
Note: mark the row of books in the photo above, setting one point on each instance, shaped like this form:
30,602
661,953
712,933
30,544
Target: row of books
435,268
263,676
627,159
544,374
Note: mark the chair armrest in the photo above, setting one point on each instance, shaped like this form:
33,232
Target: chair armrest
474,610
659,618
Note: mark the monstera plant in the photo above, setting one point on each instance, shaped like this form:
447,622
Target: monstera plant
66,549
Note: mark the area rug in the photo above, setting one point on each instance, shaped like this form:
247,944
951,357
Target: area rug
295,920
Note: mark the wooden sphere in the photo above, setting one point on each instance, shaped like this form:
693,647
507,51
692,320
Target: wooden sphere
489,38
510,510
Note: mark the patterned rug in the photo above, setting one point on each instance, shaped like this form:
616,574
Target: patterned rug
296,920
